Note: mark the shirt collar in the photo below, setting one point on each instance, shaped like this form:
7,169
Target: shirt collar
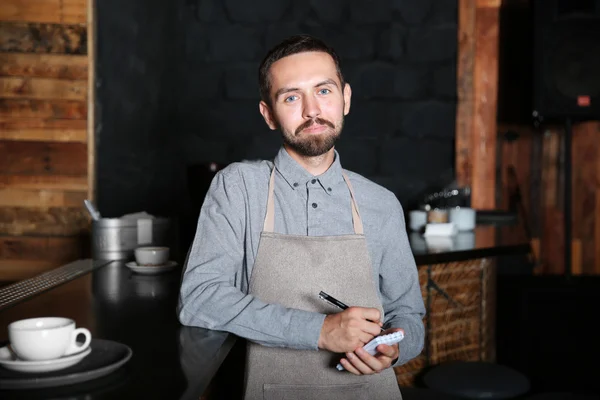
296,176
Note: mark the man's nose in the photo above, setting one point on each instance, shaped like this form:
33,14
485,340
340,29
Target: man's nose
311,107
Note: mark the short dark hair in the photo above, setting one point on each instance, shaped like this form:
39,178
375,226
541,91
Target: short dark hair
292,45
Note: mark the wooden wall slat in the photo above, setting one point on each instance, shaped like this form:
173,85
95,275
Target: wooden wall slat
39,129
30,108
52,11
39,182
39,158
63,248
52,221
43,88
60,66
40,198
43,38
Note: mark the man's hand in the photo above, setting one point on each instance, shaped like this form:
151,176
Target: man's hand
352,328
360,362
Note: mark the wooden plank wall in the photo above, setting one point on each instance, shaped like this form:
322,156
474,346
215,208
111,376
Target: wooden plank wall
537,157
44,68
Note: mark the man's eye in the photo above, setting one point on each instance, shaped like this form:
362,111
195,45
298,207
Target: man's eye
324,91
289,99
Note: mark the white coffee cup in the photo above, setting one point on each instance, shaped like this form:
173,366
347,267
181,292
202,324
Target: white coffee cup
463,217
151,255
46,338
417,219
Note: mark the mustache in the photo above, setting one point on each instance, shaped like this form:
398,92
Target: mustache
311,122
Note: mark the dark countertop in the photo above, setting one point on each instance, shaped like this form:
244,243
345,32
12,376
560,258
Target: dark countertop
169,361
485,241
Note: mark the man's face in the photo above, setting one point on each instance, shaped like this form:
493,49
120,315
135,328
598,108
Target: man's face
308,102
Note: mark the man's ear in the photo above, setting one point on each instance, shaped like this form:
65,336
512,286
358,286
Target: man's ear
267,114
347,98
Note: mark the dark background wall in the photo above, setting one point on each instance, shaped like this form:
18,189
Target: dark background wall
178,90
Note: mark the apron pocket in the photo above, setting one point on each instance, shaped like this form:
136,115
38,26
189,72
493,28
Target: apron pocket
354,391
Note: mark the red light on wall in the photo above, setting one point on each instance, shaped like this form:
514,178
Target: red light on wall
584,101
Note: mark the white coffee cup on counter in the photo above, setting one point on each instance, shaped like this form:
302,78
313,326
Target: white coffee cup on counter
46,338
463,218
417,219
151,255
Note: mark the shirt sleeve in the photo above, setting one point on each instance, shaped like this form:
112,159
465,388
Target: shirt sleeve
211,296
400,288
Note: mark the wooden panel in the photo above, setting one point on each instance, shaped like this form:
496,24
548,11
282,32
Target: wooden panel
53,221
29,108
40,198
91,26
63,249
42,88
47,130
58,66
39,158
465,105
53,11
42,38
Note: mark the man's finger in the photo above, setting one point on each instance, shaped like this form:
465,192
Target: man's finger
372,314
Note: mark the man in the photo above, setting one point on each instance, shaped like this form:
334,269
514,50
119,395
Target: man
272,235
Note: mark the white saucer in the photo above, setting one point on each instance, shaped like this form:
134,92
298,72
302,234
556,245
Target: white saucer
151,269
9,361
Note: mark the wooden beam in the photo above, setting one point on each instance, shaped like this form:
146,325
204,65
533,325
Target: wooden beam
42,38
46,130
477,90
40,198
485,86
43,88
465,105
39,158
53,221
51,11
60,66
41,182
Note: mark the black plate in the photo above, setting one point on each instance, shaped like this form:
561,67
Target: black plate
106,357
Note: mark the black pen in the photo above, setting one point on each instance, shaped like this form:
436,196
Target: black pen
332,300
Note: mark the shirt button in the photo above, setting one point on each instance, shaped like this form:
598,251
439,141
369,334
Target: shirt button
329,189
295,184
313,181
314,205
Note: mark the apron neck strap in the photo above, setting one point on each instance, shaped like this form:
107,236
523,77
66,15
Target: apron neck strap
269,224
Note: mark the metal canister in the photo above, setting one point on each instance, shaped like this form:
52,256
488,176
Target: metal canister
117,238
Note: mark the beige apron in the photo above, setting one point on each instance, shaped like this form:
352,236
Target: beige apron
291,270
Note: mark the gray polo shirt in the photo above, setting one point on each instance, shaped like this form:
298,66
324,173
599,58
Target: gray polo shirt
214,289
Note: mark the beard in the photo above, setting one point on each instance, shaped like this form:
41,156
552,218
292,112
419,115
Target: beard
313,145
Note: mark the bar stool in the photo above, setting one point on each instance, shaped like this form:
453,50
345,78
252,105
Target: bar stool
477,380
561,396
412,393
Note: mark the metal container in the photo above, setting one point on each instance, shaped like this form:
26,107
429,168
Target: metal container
117,238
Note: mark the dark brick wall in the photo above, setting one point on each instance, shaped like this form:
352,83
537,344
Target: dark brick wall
177,88
398,55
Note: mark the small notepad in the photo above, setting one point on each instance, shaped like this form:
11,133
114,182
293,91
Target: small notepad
371,347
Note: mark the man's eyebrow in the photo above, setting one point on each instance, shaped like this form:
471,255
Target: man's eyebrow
327,82
283,91
287,90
